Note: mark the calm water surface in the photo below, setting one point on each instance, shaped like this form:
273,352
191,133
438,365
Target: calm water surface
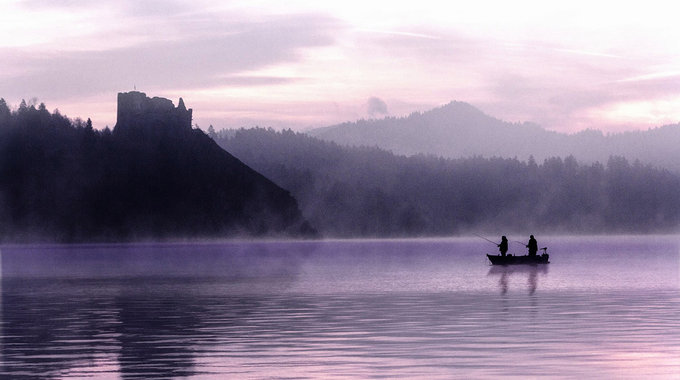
606,307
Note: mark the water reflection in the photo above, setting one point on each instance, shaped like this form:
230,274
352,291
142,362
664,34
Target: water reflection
2,316
505,272
42,331
354,313
137,311
156,336
141,330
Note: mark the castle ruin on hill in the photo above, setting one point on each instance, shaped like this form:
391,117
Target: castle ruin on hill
137,111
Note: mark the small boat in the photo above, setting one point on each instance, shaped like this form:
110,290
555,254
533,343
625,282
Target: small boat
514,260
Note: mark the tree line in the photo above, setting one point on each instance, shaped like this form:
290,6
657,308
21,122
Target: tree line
367,191
62,180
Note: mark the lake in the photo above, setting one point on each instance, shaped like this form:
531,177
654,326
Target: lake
605,307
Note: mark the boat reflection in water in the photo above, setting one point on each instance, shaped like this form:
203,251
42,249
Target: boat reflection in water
531,272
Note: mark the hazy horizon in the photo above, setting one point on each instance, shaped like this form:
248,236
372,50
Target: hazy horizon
566,67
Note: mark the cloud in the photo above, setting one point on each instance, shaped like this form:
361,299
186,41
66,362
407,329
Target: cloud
563,89
77,49
252,80
551,81
426,45
589,53
652,76
55,4
376,106
574,103
202,57
126,7
401,33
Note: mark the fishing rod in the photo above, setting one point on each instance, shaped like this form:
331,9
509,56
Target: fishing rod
520,243
482,237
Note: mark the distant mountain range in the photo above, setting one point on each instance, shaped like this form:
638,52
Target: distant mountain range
152,177
461,130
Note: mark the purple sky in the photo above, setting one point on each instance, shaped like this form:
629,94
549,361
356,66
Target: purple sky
586,64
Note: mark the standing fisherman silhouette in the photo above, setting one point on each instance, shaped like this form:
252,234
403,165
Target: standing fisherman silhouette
533,246
503,246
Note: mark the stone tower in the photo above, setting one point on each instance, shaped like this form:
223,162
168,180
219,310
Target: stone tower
137,111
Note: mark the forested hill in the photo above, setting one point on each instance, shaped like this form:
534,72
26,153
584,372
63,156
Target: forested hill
459,130
371,192
151,178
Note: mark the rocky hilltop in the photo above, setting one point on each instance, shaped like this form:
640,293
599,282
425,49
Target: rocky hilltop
153,177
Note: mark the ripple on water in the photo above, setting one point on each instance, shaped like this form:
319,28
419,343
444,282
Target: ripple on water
305,323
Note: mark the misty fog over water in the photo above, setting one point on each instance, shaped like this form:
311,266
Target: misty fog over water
431,308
